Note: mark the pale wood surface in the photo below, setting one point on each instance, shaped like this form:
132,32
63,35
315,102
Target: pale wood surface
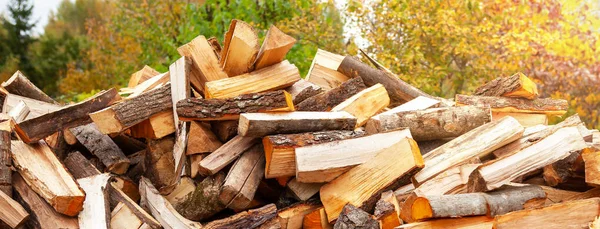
292,217
451,181
503,104
365,104
572,214
201,139
325,74
12,213
303,191
526,120
157,126
240,50
317,219
142,75
161,209
225,154
373,124
123,218
274,48
36,108
243,178
477,222
96,210
19,112
302,90
205,62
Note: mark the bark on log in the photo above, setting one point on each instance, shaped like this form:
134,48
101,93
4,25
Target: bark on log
18,84
420,103
225,154
274,48
240,49
204,202
243,178
263,124
329,99
246,219
103,147
353,217
502,104
517,85
303,90
559,172
5,157
224,130
160,164
387,210
79,166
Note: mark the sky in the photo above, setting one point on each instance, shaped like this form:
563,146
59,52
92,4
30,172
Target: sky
41,10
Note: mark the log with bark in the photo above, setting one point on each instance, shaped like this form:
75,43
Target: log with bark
387,210
142,75
19,84
329,99
161,209
274,48
503,104
572,214
323,70
225,154
451,181
205,62
563,170
159,164
240,48
517,85
103,147
254,218
420,103
79,166
365,104
184,187
243,178
5,156
203,202
263,124
353,217
96,210
302,90
36,108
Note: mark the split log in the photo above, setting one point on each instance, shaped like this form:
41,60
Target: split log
365,104
125,114
201,139
353,217
32,130
159,164
329,99
554,195
225,154
224,130
19,84
5,156
243,178
379,174
128,145
79,166
517,85
216,47
292,217
13,214
387,210
240,48
461,149
437,123
247,219
184,187
96,210
317,219
498,172
118,196
180,89
181,140
518,105
123,218
303,191
263,124
280,149
561,171
230,108
155,127
161,209
150,84
195,160
428,146
102,146
594,192
19,112
477,222
204,202
47,176
36,108
142,75
278,76
526,119
302,90
324,162
274,48
323,70
573,214
205,62
591,157
451,181
420,103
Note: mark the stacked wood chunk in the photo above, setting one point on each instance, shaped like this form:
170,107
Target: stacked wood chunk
232,137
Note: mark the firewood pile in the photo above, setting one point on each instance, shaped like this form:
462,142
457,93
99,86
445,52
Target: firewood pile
232,137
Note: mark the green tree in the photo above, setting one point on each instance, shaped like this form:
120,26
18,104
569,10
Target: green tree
18,36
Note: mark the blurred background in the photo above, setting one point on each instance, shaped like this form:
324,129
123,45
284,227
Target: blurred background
74,48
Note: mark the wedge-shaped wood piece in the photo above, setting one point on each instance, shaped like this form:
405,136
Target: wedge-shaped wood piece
103,147
161,209
353,217
517,85
243,178
451,181
19,84
516,105
247,219
142,75
437,123
374,123
498,172
155,127
263,124
12,214
278,76
302,90
324,162
303,191
280,150
477,222
203,202
152,83
317,219
327,100
387,210
591,157
241,48
274,48
184,187
36,108
224,130
323,70
19,112
47,176
6,127
201,139
469,145
159,164
123,218
572,214
231,108
225,154
390,169
205,63
293,216
96,209
32,130
526,120
119,197
365,104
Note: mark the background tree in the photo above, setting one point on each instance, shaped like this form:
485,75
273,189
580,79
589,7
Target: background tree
16,38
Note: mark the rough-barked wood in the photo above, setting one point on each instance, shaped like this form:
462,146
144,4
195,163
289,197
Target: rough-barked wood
103,147
36,108
572,214
142,75
365,103
324,162
374,123
125,114
203,202
79,166
498,172
19,112
34,129
451,181
122,217
128,145
517,85
12,213
47,176
469,145
118,196
317,219
159,164
292,216
184,187
303,191
225,154
437,123
247,219
519,105
278,76
161,209
19,84
477,222
329,99
204,60
526,119
225,130
561,171
96,209
280,150
274,48
230,108
303,90
263,124
387,210
243,178
240,49
591,157
201,139
157,126
5,155
353,217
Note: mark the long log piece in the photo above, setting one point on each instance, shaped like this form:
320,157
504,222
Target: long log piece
263,124
203,202
243,178
79,166
329,99
142,75
502,104
274,48
254,218
159,164
103,147
5,156
303,90
225,154
517,85
18,84
420,103
365,104
180,89
11,212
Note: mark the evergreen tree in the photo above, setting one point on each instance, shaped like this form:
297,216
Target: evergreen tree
18,37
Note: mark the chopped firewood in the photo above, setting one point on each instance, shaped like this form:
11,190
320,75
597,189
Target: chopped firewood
225,130
280,149
231,108
378,173
387,210
96,210
155,127
554,195
123,218
526,119
184,187
13,214
118,196
498,172
19,84
477,222
323,70
152,83
203,202
142,75
365,104
243,178
324,162
303,191
517,85
263,124
437,123
572,214
374,123
42,170
125,114
161,209
160,164
205,62
329,99
36,108
302,90
469,145
247,219
559,172
591,157
195,163
32,130
353,217
79,166
278,76
19,112
5,156
103,147
274,48
317,219
240,48
594,192
516,105
180,89
214,43
201,139
292,217
428,146
225,154
451,181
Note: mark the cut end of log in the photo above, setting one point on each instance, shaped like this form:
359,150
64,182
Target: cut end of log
421,209
528,88
68,205
106,121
